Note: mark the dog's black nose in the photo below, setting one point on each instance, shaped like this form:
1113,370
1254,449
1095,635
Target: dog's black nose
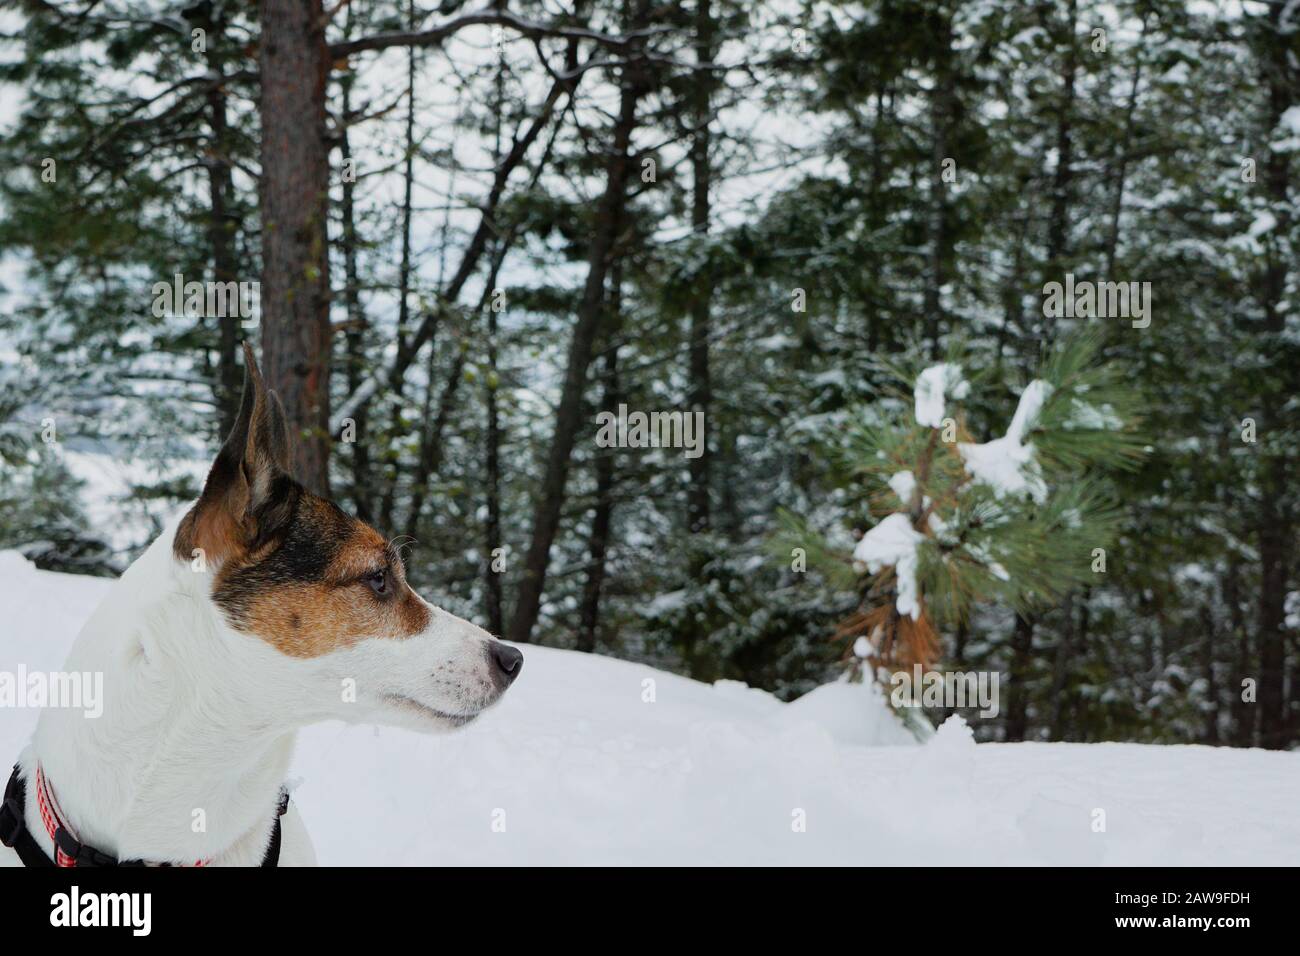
507,659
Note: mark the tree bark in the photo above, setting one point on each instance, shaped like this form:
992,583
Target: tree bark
1211,733
1062,177
492,597
1022,648
941,112
1061,669
408,185
1120,173
1273,559
294,64
221,226
700,389
1058,238
355,339
388,499
1058,223
1275,515
492,589
602,518
1243,712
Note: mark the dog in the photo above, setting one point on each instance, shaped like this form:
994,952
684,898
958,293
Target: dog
263,609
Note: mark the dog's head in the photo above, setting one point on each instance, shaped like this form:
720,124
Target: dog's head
327,591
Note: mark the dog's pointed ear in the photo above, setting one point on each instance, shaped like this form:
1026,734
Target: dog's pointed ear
249,496
232,449
271,492
277,434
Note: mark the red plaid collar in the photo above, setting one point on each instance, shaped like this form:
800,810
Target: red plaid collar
60,832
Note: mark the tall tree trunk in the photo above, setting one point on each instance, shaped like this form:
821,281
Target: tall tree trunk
294,65
1022,649
492,574
871,305
1085,623
602,518
1275,515
492,480
1243,711
608,220
1211,733
1057,245
1061,669
1058,222
699,388
355,338
408,185
1013,308
221,228
393,475
1119,174
941,114
728,507
1273,560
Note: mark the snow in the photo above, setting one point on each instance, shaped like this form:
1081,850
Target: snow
1264,222
1031,403
893,542
982,555
1085,416
1288,125
932,385
587,772
1007,464
1290,120
665,604
852,714
1004,465
903,484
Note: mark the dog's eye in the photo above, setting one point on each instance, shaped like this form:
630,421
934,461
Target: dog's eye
378,582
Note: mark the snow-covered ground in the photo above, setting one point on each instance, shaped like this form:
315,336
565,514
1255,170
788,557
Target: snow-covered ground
578,765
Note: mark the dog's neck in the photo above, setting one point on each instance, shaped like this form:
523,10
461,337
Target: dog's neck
198,725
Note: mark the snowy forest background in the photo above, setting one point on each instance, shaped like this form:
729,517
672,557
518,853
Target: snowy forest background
478,225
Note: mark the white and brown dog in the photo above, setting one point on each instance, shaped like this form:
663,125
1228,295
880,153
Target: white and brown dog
264,609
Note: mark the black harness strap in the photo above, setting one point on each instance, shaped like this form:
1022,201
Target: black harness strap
272,857
15,834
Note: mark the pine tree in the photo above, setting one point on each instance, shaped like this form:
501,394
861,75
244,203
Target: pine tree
1017,520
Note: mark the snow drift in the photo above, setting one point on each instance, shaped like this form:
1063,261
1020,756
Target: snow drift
591,760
